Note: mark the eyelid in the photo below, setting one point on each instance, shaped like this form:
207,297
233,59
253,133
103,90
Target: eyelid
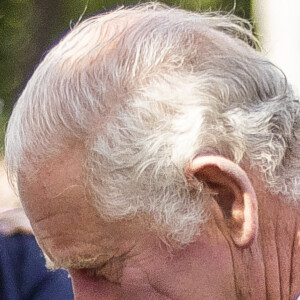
93,272
96,274
111,270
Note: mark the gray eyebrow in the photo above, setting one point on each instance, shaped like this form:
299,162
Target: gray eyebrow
79,262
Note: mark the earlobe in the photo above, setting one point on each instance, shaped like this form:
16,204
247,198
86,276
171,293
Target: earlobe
234,194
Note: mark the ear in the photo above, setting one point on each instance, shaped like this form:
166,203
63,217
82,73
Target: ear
234,194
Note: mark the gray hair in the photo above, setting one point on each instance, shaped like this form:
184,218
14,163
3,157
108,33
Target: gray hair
147,88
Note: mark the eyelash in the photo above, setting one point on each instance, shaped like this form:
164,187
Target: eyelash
93,272
96,273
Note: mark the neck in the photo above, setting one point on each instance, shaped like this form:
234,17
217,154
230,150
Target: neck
276,252
279,235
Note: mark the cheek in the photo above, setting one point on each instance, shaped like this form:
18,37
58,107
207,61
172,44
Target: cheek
203,271
134,288
88,288
215,272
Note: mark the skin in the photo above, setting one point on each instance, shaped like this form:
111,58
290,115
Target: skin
125,260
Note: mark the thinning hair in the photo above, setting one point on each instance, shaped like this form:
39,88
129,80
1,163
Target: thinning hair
147,88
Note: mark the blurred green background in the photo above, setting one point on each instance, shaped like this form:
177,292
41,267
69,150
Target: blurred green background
28,28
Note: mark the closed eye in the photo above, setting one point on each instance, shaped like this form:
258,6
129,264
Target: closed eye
111,269
93,272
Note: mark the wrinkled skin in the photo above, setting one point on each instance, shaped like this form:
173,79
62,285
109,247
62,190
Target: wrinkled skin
130,262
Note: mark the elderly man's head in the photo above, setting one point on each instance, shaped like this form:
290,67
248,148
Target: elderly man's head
156,154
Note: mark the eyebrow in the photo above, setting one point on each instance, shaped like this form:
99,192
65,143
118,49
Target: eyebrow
79,262
76,262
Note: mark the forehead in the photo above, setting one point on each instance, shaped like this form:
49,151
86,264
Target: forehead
64,219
